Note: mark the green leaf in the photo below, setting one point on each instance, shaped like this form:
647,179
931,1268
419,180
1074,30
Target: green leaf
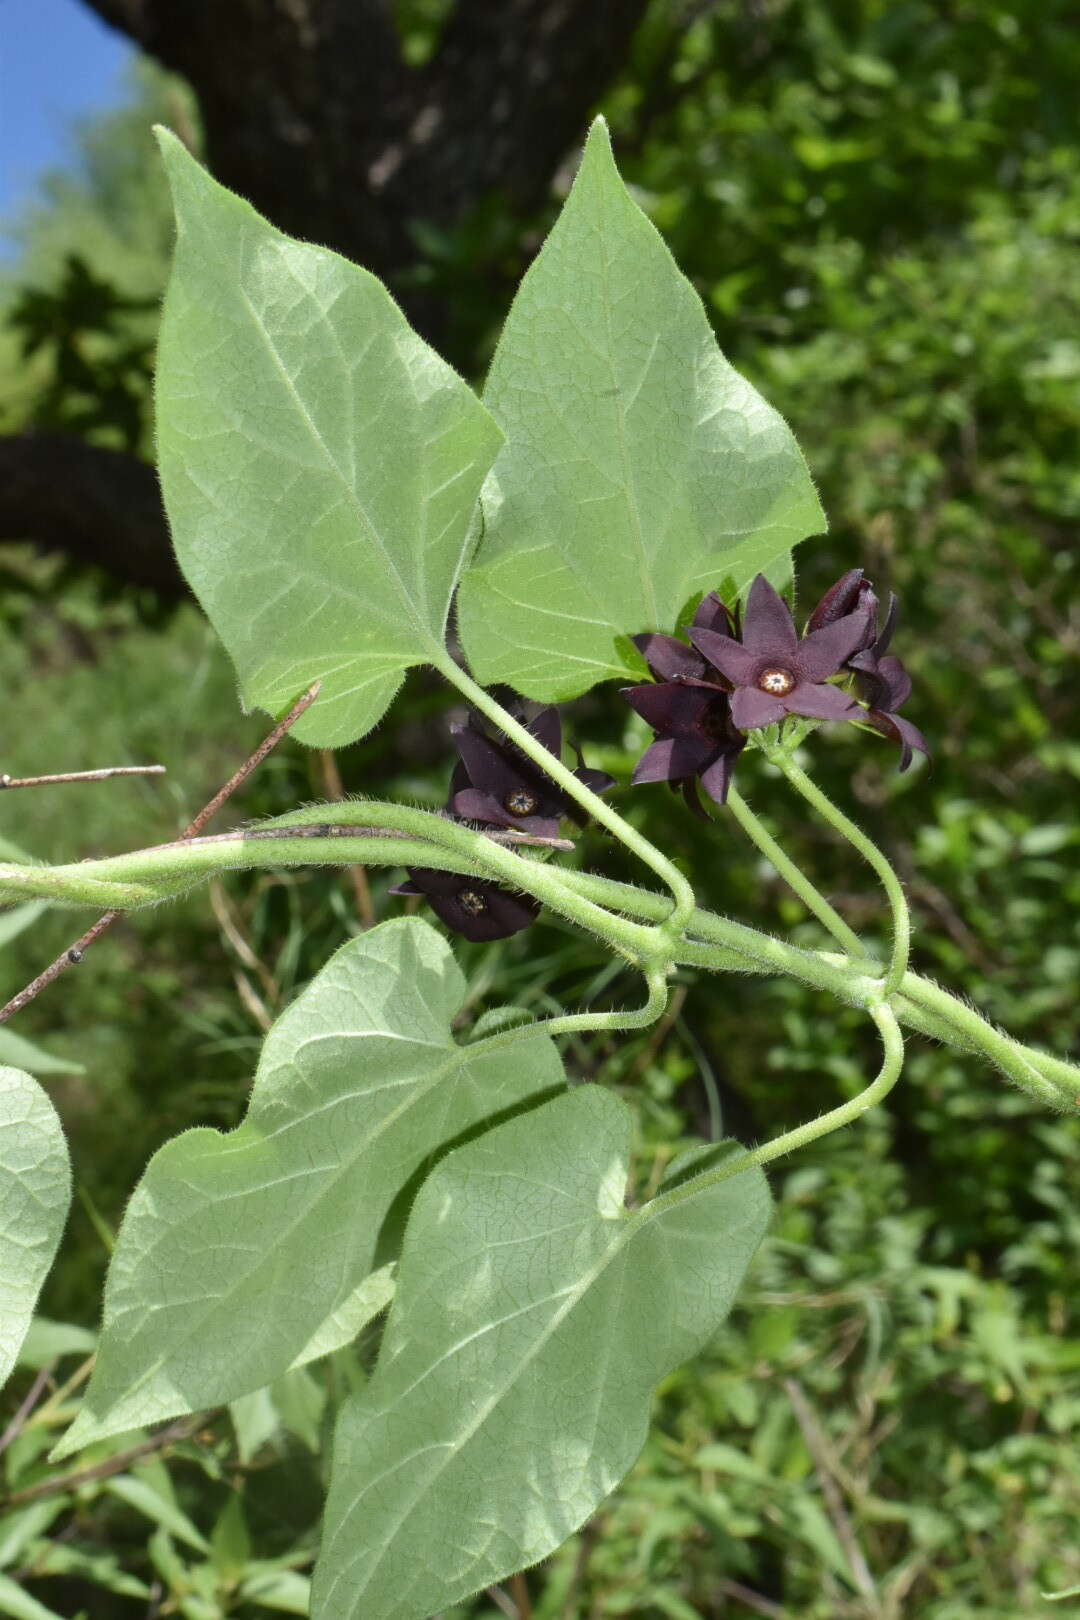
230,1541
639,467
363,1305
24,1054
534,1314
273,1587
35,1191
320,464
13,922
140,1493
20,1605
47,1341
237,1248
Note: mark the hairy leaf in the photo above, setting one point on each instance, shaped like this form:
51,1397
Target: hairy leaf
236,1249
534,1314
35,1190
320,464
639,467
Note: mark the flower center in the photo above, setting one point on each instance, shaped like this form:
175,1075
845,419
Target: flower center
777,682
473,903
715,721
520,802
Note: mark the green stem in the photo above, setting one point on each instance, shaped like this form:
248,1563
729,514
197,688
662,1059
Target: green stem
718,945
669,874
811,897
901,945
576,1023
893,1061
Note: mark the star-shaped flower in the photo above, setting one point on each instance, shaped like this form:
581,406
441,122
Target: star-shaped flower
690,713
774,673
497,785
471,906
885,685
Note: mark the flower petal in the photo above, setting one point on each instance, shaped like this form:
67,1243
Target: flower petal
768,628
822,703
472,804
713,615
824,651
716,778
669,759
673,710
840,599
897,683
901,731
751,708
734,661
429,880
669,658
487,765
595,781
546,727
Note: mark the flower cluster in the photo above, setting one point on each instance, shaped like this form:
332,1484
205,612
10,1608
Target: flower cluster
496,785
737,678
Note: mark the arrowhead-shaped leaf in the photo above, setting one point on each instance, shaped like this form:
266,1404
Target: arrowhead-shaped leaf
236,1249
320,464
35,1191
639,467
534,1314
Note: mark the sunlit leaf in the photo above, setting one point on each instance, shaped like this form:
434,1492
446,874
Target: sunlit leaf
236,1249
320,463
534,1315
35,1191
639,467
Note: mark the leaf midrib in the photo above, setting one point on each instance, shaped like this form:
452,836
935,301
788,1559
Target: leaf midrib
630,1225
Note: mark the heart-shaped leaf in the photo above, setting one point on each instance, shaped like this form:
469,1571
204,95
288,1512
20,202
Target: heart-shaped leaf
320,463
35,1191
639,467
534,1315
237,1249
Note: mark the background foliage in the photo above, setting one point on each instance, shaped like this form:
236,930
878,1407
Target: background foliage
880,204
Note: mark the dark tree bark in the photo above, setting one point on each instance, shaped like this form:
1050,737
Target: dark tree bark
98,506
311,113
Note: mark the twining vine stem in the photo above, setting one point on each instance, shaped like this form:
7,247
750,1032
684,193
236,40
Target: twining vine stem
602,905
793,876
901,946
669,874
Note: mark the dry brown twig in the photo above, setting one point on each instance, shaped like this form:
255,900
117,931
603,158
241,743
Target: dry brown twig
103,775
75,953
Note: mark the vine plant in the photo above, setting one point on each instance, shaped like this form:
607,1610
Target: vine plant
621,505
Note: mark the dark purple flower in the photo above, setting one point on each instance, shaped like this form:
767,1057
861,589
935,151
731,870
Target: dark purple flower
690,713
774,673
851,593
471,906
499,786
695,739
884,685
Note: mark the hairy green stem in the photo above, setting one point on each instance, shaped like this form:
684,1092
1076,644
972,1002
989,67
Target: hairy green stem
611,909
682,891
619,1018
797,880
893,1061
901,945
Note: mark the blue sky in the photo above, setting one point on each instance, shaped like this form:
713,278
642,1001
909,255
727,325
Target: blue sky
57,62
